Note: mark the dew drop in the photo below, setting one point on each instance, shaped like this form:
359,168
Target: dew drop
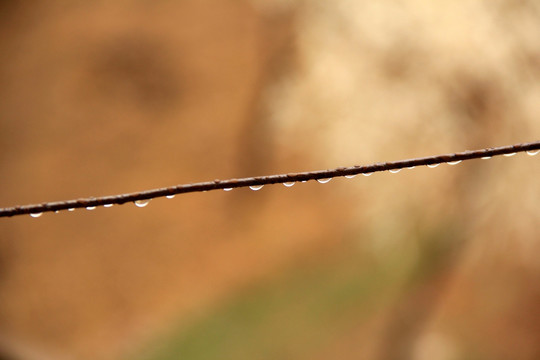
350,176
324,181
36,215
367,174
432,166
288,184
71,209
303,181
411,167
508,155
141,203
533,152
256,187
227,189
454,162
395,171
108,205
90,208
486,157
170,196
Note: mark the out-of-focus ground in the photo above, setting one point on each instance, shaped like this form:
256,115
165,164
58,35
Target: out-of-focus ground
105,97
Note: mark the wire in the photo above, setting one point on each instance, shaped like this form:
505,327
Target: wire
142,198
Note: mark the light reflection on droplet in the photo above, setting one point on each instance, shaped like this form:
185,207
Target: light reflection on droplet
288,184
141,203
170,196
367,174
227,189
324,181
303,181
508,155
71,209
350,176
108,205
432,166
454,162
394,171
411,167
486,157
90,208
533,152
36,215
256,187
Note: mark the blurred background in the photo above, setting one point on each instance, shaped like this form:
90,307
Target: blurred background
104,97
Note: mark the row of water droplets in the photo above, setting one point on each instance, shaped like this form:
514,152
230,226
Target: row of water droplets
145,202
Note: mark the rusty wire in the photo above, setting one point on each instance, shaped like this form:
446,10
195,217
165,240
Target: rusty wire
141,197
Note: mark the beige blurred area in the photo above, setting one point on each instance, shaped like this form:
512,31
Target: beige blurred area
105,97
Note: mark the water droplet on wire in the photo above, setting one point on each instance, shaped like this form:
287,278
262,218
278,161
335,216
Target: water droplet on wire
533,152
508,155
432,166
170,196
90,208
71,209
108,205
395,171
486,157
324,181
350,176
36,215
411,167
227,189
454,162
367,174
256,187
141,203
288,184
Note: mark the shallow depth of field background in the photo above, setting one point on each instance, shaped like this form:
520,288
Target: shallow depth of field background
104,97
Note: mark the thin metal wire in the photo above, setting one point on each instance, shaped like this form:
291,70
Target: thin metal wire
142,197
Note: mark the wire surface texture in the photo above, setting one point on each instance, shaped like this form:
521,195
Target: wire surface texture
142,198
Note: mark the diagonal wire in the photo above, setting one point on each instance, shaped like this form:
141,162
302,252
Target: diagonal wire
140,198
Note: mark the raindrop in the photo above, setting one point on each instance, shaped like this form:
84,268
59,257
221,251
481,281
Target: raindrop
256,187
508,155
227,189
71,209
90,208
36,215
324,181
170,196
141,203
454,162
432,166
350,176
395,171
367,174
108,205
486,157
288,184
533,152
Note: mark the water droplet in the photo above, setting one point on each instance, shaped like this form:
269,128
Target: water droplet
411,167
141,203
350,176
90,208
367,174
303,181
508,155
56,211
486,157
533,152
289,184
36,215
395,171
324,181
227,189
108,205
256,187
71,209
454,162
170,196
432,166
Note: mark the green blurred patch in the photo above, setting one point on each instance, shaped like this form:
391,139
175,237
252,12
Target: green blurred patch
300,312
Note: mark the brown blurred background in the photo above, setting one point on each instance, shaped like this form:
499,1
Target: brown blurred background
104,97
